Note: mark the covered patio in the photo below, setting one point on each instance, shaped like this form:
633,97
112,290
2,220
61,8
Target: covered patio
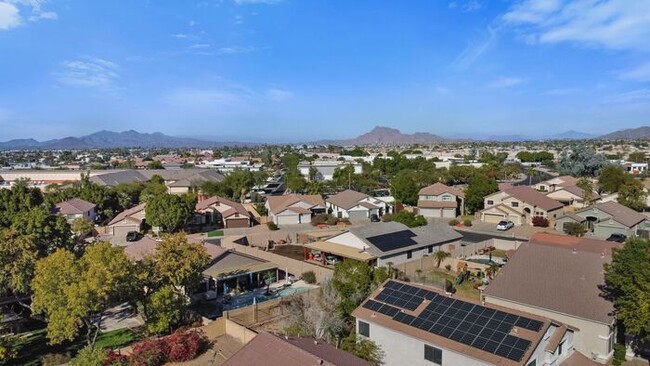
239,272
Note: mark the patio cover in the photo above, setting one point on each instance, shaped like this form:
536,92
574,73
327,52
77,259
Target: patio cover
341,250
234,264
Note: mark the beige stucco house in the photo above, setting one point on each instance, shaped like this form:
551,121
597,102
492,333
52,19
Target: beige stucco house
441,201
519,204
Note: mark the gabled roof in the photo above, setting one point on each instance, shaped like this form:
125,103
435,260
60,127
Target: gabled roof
278,204
126,213
568,267
437,204
567,180
235,207
347,199
577,191
270,350
437,189
147,246
619,213
532,197
574,217
75,206
121,176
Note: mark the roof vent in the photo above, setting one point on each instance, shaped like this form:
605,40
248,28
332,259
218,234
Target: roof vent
575,250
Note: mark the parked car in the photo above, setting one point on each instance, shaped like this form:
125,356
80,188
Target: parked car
374,218
331,259
504,225
132,236
617,237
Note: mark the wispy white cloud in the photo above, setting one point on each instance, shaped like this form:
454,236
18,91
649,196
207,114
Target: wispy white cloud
467,6
475,49
9,16
631,97
205,98
267,2
506,82
561,92
640,73
234,50
89,72
180,35
10,12
200,46
279,95
609,24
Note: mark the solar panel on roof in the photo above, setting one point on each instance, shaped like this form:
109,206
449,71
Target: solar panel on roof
461,321
392,241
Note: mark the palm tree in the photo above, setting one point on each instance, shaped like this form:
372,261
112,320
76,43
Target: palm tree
440,256
492,270
531,172
418,274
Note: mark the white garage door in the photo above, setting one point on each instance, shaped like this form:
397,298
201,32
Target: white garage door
430,212
358,215
287,220
492,218
449,213
121,231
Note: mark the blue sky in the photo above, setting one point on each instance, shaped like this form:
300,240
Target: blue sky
288,70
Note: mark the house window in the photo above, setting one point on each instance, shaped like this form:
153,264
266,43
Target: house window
559,348
446,198
433,354
490,202
364,329
430,249
515,204
428,198
532,363
409,254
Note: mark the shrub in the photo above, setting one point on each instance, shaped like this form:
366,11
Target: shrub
540,221
575,229
55,359
619,354
184,345
309,277
331,220
89,357
319,219
149,352
115,359
387,218
448,267
453,222
467,222
409,219
272,226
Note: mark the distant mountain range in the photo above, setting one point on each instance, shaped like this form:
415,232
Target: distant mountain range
377,136
108,140
641,133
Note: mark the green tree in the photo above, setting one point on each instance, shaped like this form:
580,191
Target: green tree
19,199
637,157
575,229
409,219
440,256
352,282
165,311
7,344
632,194
89,356
81,227
50,231
156,164
405,187
170,212
74,293
479,187
179,263
627,280
582,161
363,348
18,257
612,177
587,189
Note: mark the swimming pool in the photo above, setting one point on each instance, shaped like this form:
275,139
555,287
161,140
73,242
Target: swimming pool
259,296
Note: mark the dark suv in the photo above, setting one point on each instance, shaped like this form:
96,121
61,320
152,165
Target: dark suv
132,236
619,238
374,218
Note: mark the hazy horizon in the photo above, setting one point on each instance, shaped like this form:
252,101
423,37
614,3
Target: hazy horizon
289,70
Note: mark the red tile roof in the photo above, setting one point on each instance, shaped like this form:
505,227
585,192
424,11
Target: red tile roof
75,206
437,189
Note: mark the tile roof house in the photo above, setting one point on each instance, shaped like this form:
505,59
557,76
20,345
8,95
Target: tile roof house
394,242
552,184
417,325
226,213
271,350
519,204
76,208
560,277
354,205
441,201
294,209
607,218
127,220
178,181
573,196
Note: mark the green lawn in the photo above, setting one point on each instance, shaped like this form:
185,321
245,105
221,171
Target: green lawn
33,344
499,253
214,233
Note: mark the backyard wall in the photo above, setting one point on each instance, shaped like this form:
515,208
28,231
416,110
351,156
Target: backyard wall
294,266
224,326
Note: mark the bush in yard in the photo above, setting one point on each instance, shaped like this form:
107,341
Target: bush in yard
448,267
149,352
453,222
467,222
575,229
387,218
184,345
319,219
331,220
619,354
540,221
115,359
52,359
88,356
272,226
309,277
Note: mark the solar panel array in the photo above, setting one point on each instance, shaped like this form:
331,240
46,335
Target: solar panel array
392,241
473,325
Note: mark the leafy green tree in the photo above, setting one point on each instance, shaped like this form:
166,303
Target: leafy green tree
582,161
179,263
627,280
405,187
479,187
89,356
363,348
50,232
164,311
296,183
612,177
19,199
18,257
156,164
409,219
8,345
154,188
632,194
587,188
637,157
170,212
73,293
575,229
352,282
81,227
